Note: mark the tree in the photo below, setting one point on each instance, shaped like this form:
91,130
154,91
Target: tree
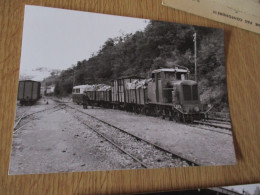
161,44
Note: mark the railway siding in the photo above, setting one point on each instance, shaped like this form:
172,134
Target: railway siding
53,141
199,145
148,154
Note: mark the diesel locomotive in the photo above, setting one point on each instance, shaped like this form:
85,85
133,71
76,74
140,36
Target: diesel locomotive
168,93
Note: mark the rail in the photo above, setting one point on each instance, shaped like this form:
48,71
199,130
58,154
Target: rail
189,161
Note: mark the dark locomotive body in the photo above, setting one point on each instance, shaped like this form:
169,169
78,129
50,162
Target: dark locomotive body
28,92
169,93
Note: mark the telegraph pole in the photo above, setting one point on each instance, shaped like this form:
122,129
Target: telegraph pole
195,53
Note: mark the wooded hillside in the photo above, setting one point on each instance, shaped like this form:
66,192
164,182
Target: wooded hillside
161,44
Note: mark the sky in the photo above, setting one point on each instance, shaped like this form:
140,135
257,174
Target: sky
58,38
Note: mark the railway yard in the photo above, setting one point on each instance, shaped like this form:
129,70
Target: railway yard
61,136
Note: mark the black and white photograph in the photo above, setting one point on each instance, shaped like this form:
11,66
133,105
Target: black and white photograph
103,92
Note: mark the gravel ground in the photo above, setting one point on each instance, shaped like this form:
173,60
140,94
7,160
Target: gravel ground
53,141
148,154
43,103
200,145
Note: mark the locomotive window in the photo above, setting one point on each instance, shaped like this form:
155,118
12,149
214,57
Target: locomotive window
153,77
170,75
187,92
195,92
178,75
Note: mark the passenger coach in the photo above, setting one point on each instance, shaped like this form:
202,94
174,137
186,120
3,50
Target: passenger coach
78,92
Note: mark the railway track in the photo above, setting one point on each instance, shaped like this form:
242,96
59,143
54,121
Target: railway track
221,131
215,125
149,155
25,115
216,120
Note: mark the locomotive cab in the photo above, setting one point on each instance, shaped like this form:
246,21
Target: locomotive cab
161,87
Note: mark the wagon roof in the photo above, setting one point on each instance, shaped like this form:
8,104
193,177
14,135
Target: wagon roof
130,77
29,80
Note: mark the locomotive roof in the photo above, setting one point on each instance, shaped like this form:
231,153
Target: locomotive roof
188,82
183,82
170,70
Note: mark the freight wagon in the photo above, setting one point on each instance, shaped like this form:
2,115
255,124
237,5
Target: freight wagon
28,92
129,93
97,95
